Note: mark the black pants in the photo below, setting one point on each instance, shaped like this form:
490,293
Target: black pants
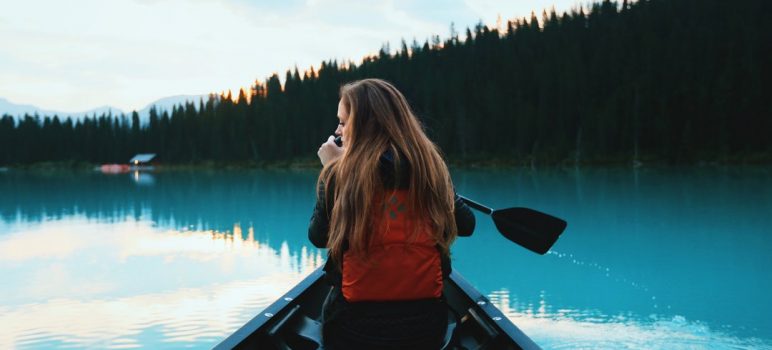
404,325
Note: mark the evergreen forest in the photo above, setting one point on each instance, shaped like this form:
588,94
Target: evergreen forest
674,81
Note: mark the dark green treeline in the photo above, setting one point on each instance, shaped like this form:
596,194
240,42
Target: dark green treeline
667,80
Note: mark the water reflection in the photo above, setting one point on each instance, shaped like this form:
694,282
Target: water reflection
687,242
268,201
107,285
591,329
181,259
143,178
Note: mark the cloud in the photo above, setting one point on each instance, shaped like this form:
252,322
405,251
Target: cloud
77,55
489,10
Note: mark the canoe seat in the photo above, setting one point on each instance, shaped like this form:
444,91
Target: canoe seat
310,329
296,331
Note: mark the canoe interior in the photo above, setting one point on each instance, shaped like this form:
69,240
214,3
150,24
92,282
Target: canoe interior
291,323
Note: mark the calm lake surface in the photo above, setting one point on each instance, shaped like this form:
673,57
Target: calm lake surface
674,258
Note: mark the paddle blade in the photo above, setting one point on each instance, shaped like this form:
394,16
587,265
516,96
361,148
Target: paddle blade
529,228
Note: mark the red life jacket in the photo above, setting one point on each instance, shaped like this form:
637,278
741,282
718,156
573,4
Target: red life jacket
398,266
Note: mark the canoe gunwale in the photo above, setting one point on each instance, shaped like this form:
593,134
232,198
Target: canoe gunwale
274,310
496,317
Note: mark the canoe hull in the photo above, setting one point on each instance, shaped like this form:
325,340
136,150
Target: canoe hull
290,322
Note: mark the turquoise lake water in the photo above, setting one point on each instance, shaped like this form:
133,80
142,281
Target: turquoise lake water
671,258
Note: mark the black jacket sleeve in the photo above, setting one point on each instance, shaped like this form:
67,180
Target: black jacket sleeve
465,220
319,227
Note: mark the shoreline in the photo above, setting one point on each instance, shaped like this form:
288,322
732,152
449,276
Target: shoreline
469,163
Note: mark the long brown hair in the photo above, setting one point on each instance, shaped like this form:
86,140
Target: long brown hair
380,120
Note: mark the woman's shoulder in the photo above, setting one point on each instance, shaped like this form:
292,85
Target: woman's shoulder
395,169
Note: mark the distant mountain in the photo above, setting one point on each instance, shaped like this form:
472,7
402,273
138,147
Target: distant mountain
164,104
18,110
168,103
91,112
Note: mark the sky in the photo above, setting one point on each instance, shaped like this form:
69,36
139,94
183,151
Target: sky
81,54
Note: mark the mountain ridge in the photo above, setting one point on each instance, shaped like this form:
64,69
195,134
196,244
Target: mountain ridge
162,104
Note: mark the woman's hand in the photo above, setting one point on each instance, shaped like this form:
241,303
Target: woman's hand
329,151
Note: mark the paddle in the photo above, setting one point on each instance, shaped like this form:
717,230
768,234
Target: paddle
529,228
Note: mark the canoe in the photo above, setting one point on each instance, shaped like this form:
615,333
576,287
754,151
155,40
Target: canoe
291,323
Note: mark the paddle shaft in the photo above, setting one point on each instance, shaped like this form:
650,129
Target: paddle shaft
476,205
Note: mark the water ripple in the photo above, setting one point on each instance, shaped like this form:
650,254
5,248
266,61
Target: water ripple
182,318
569,330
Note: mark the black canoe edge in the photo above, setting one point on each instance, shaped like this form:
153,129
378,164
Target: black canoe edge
479,323
241,336
492,313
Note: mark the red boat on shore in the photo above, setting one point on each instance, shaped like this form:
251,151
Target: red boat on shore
114,168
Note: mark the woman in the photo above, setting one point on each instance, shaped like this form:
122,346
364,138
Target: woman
387,211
